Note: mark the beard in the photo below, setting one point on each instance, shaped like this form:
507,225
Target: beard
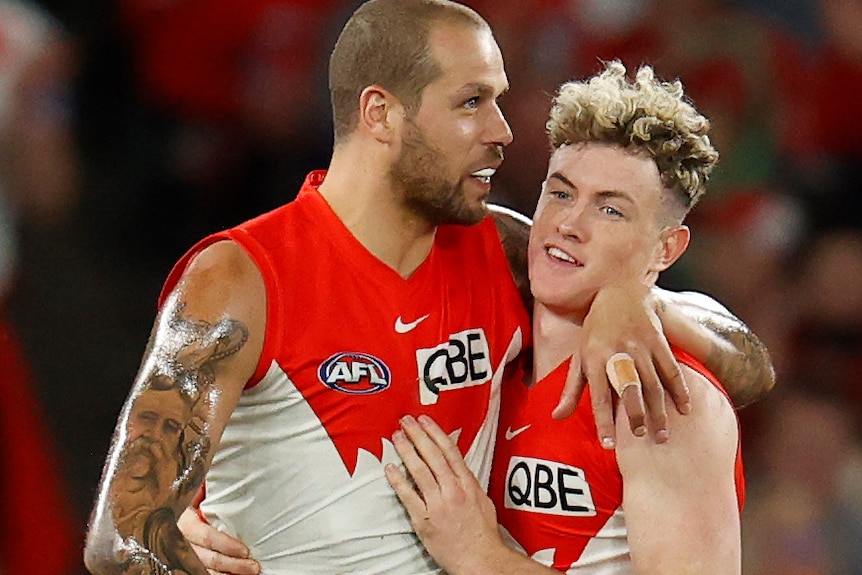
419,173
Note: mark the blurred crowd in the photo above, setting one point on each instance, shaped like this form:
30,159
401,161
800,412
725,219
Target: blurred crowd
130,128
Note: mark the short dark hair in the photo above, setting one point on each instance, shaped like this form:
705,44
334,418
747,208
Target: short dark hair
385,43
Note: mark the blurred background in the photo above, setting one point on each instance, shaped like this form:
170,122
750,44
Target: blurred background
131,128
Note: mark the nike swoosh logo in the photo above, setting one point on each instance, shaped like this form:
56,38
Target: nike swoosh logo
511,434
402,327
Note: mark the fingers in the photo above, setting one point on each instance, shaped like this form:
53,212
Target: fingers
601,395
438,453
651,397
218,551
423,478
572,391
623,377
673,379
217,563
443,445
404,489
433,462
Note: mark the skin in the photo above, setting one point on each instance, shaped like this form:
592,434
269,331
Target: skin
598,221
208,336
460,123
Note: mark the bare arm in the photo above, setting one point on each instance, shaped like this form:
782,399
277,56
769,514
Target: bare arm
514,231
680,497
707,330
204,346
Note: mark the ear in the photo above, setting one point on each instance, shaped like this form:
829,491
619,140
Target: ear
674,242
380,112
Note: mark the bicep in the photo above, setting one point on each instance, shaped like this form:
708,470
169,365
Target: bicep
207,338
680,497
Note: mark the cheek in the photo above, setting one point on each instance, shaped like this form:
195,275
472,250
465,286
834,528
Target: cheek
625,259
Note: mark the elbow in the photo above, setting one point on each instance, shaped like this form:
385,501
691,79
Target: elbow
97,560
767,375
100,555
763,378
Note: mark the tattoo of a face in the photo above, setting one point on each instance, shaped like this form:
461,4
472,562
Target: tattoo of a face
167,436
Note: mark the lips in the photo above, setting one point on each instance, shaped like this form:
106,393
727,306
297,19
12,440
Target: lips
560,255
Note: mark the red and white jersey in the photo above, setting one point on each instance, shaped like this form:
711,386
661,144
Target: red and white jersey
350,348
558,493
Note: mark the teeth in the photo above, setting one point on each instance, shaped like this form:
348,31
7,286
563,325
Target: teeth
561,255
484,175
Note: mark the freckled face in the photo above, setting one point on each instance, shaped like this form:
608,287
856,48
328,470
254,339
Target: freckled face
596,223
453,144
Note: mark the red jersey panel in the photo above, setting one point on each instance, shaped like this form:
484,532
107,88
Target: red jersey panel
558,493
350,348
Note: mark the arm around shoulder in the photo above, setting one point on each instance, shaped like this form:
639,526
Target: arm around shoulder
514,231
204,346
680,497
728,347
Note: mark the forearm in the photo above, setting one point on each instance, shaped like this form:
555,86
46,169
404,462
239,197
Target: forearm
503,561
163,444
130,536
720,340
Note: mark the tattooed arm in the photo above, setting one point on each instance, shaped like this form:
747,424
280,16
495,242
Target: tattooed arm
720,340
204,346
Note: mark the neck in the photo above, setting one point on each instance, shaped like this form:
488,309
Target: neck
555,338
360,192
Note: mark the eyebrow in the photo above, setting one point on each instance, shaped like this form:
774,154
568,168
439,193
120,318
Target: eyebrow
603,194
484,90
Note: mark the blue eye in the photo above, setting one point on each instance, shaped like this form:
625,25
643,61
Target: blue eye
559,194
611,211
472,103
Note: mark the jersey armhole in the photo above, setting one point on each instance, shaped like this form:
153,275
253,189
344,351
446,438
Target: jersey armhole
272,337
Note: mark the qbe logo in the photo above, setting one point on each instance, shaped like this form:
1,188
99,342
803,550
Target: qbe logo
541,486
355,373
463,361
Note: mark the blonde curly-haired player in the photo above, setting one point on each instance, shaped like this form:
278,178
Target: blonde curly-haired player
630,158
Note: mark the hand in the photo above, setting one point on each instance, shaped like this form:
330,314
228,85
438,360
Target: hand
449,510
623,319
219,552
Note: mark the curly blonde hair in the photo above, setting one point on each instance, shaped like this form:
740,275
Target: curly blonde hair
648,115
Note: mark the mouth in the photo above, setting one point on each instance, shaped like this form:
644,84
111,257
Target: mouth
484,175
559,255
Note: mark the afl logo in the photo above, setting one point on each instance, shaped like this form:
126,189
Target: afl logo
355,373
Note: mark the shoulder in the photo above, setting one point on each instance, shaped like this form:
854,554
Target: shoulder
514,231
222,276
511,225
709,434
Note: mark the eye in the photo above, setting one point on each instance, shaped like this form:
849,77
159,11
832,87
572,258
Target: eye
472,103
559,194
611,211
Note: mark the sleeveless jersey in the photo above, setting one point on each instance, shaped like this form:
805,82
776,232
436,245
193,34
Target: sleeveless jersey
558,493
350,348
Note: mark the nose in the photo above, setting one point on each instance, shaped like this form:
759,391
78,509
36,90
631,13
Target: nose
499,130
572,223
